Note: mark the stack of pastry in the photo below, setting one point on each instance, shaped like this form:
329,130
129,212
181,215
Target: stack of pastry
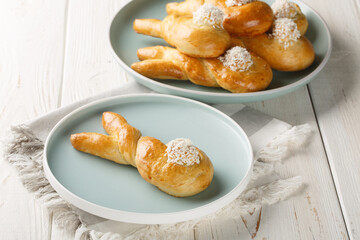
232,44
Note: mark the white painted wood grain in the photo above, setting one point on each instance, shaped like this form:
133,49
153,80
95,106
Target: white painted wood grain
89,67
31,58
229,229
314,213
336,98
22,217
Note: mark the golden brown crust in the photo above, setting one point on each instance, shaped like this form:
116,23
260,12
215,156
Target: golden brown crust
298,17
174,179
189,38
185,8
297,56
205,72
302,23
258,77
160,69
127,135
150,27
99,145
165,63
247,20
148,155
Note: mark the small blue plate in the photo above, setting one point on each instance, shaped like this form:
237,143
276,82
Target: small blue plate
125,42
118,192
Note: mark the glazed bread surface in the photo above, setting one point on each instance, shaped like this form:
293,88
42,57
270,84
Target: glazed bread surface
298,56
174,179
125,145
161,62
188,37
247,20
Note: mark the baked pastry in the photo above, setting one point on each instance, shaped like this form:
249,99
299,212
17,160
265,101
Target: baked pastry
177,168
284,48
197,37
242,17
287,9
237,71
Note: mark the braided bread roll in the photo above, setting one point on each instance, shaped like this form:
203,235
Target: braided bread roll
161,62
249,18
154,160
188,37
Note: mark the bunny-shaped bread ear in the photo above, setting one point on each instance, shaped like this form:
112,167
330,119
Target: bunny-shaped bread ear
183,8
183,33
119,146
160,69
97,144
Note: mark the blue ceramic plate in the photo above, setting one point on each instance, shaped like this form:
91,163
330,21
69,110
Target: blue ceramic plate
125,42
118,192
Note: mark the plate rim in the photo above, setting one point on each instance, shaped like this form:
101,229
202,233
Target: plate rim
147,218
267,94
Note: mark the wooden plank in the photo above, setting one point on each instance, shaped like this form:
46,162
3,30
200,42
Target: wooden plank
336,97
228,229
22,216
314,213
89,66
31,58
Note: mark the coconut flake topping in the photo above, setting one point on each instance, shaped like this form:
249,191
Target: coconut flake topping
284,9
232,3
285,31
210,15
238,59
182,151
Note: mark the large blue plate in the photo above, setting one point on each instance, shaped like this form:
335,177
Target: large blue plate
118,192
125,42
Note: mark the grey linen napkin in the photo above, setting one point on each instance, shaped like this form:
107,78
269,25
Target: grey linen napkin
271,139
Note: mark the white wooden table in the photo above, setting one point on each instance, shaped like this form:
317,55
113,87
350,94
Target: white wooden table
53,53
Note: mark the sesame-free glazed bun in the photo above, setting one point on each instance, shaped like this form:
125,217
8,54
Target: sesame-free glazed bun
285,49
